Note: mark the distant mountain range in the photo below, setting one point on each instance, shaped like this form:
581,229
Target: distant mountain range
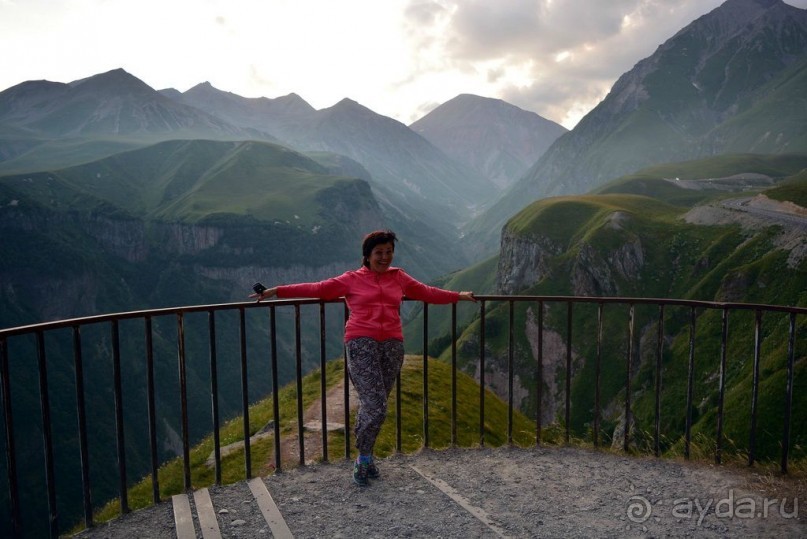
114,103
48,126
417,175
109,147
715,87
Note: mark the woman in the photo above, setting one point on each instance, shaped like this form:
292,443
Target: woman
373,333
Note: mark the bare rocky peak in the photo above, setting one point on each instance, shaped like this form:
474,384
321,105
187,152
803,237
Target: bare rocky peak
205,94
115,82
497,139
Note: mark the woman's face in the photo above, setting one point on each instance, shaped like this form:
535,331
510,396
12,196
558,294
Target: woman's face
381,257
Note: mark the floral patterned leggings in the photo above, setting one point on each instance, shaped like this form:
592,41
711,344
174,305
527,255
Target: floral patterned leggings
373,367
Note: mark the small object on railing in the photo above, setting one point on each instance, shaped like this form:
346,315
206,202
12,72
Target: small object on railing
259,289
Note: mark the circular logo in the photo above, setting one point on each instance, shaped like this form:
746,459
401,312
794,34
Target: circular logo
639,509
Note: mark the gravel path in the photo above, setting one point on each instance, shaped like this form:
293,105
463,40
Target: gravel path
459,493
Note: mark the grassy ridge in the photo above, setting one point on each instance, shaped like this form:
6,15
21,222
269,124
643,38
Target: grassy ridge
777,166
188,181
793,190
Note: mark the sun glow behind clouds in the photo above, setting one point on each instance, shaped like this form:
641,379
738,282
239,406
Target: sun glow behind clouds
324,51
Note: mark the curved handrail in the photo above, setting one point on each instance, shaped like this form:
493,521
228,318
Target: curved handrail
127,315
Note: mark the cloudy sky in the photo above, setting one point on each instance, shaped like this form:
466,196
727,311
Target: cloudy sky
400,58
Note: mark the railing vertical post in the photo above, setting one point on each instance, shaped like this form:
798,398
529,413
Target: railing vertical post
347,395
242,333
791,352
510,353
482,374
629,375
659,357
323,385
151,410
44,399
453,374
568,391
398,423
275,385
724,334
119,429
82,427
597,376
690,383
752,443
183,399
214,393
298,355
11,454
426,440
539,375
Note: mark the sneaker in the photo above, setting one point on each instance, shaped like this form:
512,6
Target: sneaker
372,471
360,473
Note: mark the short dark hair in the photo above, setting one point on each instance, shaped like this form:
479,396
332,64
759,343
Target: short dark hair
379,237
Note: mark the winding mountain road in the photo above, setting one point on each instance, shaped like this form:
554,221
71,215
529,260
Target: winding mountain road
766,208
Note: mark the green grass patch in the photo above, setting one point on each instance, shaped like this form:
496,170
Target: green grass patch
794,190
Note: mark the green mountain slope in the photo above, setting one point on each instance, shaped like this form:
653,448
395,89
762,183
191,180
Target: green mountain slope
752,128
187,181
639,236
793,190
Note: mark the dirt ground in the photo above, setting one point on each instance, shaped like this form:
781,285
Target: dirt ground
504,492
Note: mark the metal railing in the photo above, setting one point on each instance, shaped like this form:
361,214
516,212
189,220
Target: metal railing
40,333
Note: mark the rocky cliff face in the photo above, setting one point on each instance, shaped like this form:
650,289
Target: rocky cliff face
552,350
523,261
590,270
598,274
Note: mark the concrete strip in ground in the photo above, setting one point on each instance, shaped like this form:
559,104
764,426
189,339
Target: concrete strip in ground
183,518
463,502
206,514
269,509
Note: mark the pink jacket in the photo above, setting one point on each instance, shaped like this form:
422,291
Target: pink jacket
374,299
